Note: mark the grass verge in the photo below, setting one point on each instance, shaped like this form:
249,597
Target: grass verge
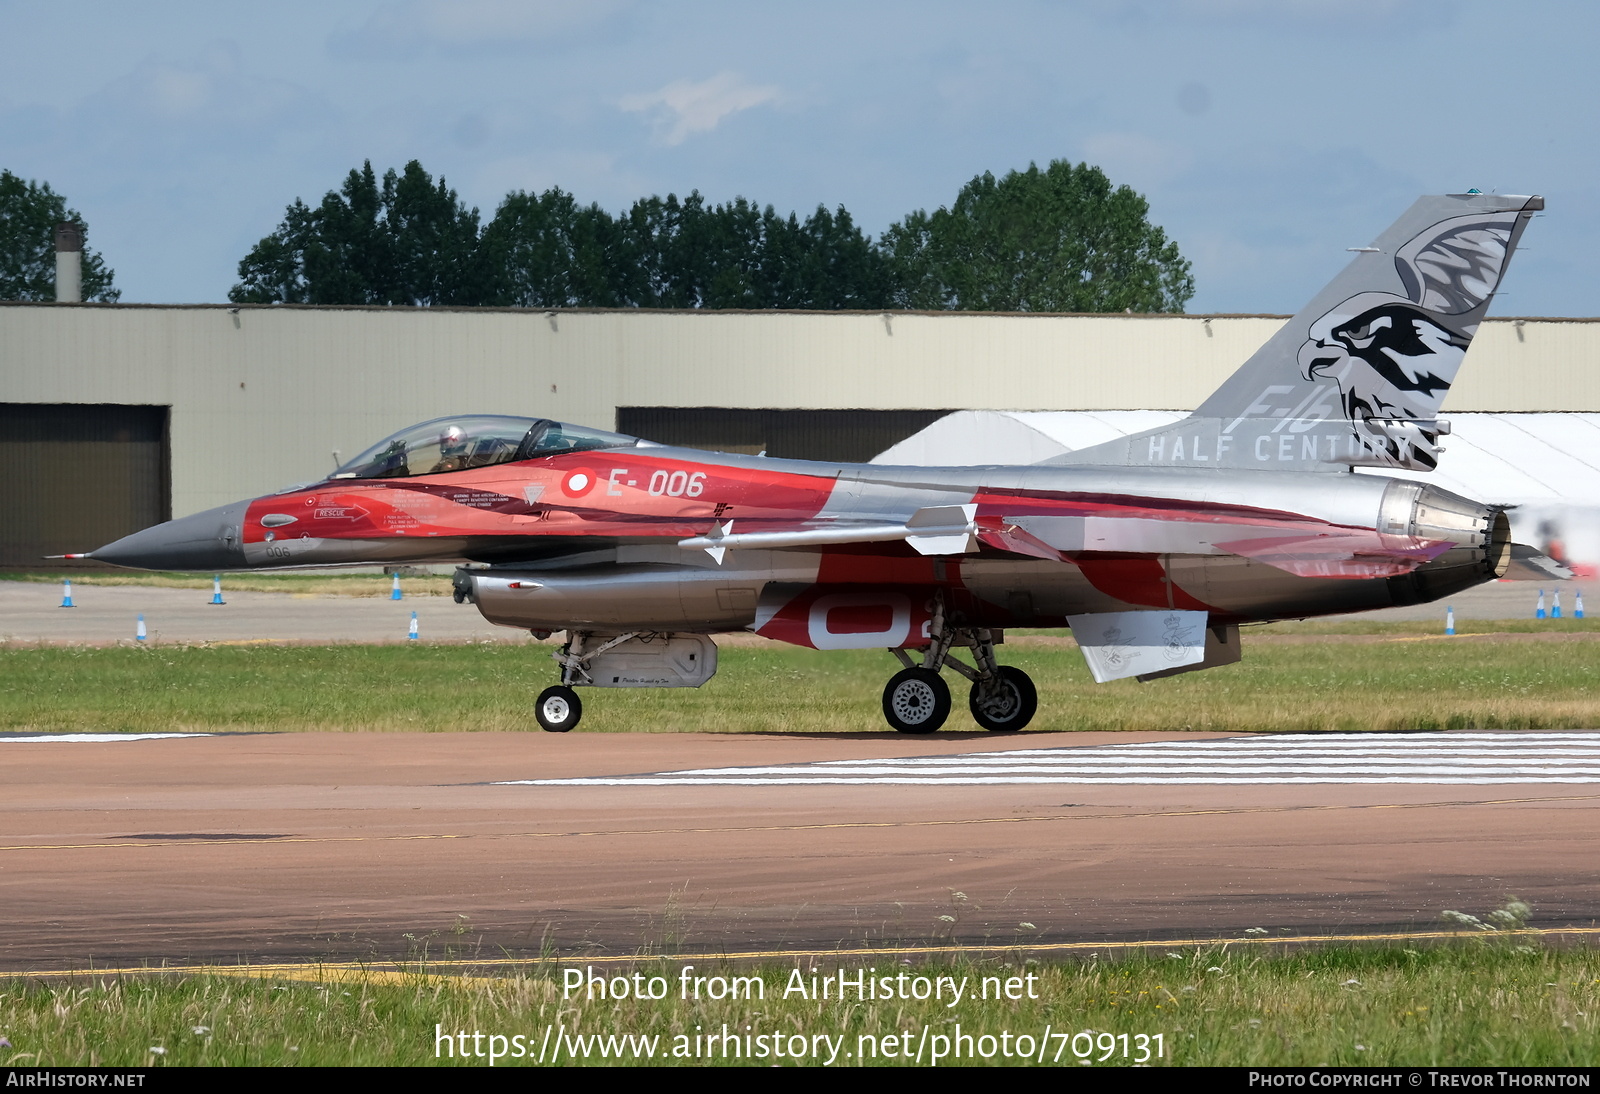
1281,686
1497,1001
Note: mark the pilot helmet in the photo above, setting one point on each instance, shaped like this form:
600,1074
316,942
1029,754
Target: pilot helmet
453,441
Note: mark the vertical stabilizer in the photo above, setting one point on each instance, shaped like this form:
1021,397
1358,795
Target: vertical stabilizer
1357,377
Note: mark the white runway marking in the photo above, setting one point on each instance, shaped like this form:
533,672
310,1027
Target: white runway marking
1293,758
91,738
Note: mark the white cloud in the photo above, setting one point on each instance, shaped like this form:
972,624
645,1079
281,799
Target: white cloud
684,107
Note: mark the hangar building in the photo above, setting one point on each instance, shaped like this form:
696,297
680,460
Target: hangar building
115,416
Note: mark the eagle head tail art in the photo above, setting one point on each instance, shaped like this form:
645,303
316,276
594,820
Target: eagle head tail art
1358,376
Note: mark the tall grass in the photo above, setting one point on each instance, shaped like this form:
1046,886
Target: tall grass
1496,1002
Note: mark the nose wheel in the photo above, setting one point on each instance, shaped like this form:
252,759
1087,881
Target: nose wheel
916,700
558,709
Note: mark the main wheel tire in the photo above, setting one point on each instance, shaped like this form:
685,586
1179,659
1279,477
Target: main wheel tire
558,709
916,701
1009,706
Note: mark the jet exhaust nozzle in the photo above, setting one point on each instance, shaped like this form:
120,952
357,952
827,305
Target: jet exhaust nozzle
1481,534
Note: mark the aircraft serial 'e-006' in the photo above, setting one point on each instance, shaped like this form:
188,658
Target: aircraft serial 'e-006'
1153,549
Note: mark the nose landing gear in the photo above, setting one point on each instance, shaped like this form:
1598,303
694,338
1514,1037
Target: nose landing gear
558,709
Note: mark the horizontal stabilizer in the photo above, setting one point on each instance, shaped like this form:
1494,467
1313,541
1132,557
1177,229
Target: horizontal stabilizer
1531,564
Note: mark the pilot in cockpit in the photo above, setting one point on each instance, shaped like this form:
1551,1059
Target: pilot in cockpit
453,450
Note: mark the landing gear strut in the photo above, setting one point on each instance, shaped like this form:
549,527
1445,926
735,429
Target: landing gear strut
558,708
917,700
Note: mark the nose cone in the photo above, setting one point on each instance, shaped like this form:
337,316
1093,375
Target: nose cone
204,541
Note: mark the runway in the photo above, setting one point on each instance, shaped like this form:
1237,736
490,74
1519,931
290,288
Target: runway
277,847
1333,758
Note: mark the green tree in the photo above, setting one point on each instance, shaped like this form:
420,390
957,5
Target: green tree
433,241
547,251
408,241
1062,239
829,264
673,248
690,255
29,212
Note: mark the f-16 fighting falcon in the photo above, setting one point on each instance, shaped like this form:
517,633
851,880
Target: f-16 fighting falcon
1153,549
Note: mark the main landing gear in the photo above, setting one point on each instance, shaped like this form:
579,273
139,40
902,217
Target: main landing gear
917,700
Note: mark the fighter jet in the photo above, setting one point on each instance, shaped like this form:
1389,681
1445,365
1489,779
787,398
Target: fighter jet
1152,549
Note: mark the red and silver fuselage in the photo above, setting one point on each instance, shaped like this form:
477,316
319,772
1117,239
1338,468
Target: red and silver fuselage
828,555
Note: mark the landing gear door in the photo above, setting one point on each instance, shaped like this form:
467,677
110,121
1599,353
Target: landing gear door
653,661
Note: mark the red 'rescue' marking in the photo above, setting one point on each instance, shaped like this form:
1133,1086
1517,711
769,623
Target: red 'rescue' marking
1139,581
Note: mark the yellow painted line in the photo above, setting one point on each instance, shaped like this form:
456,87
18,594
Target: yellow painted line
820,826
431,972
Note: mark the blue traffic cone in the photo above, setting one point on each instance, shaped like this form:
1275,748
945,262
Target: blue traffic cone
1577,609
139,632
413,633
66,593
216,589
1555,608
394,592
1538,612
1449,619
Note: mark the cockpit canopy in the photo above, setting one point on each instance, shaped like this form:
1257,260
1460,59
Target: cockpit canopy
478,440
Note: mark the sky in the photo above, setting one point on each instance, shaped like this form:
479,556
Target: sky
1267,135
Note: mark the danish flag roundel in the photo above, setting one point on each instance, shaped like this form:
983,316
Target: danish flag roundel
578,483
